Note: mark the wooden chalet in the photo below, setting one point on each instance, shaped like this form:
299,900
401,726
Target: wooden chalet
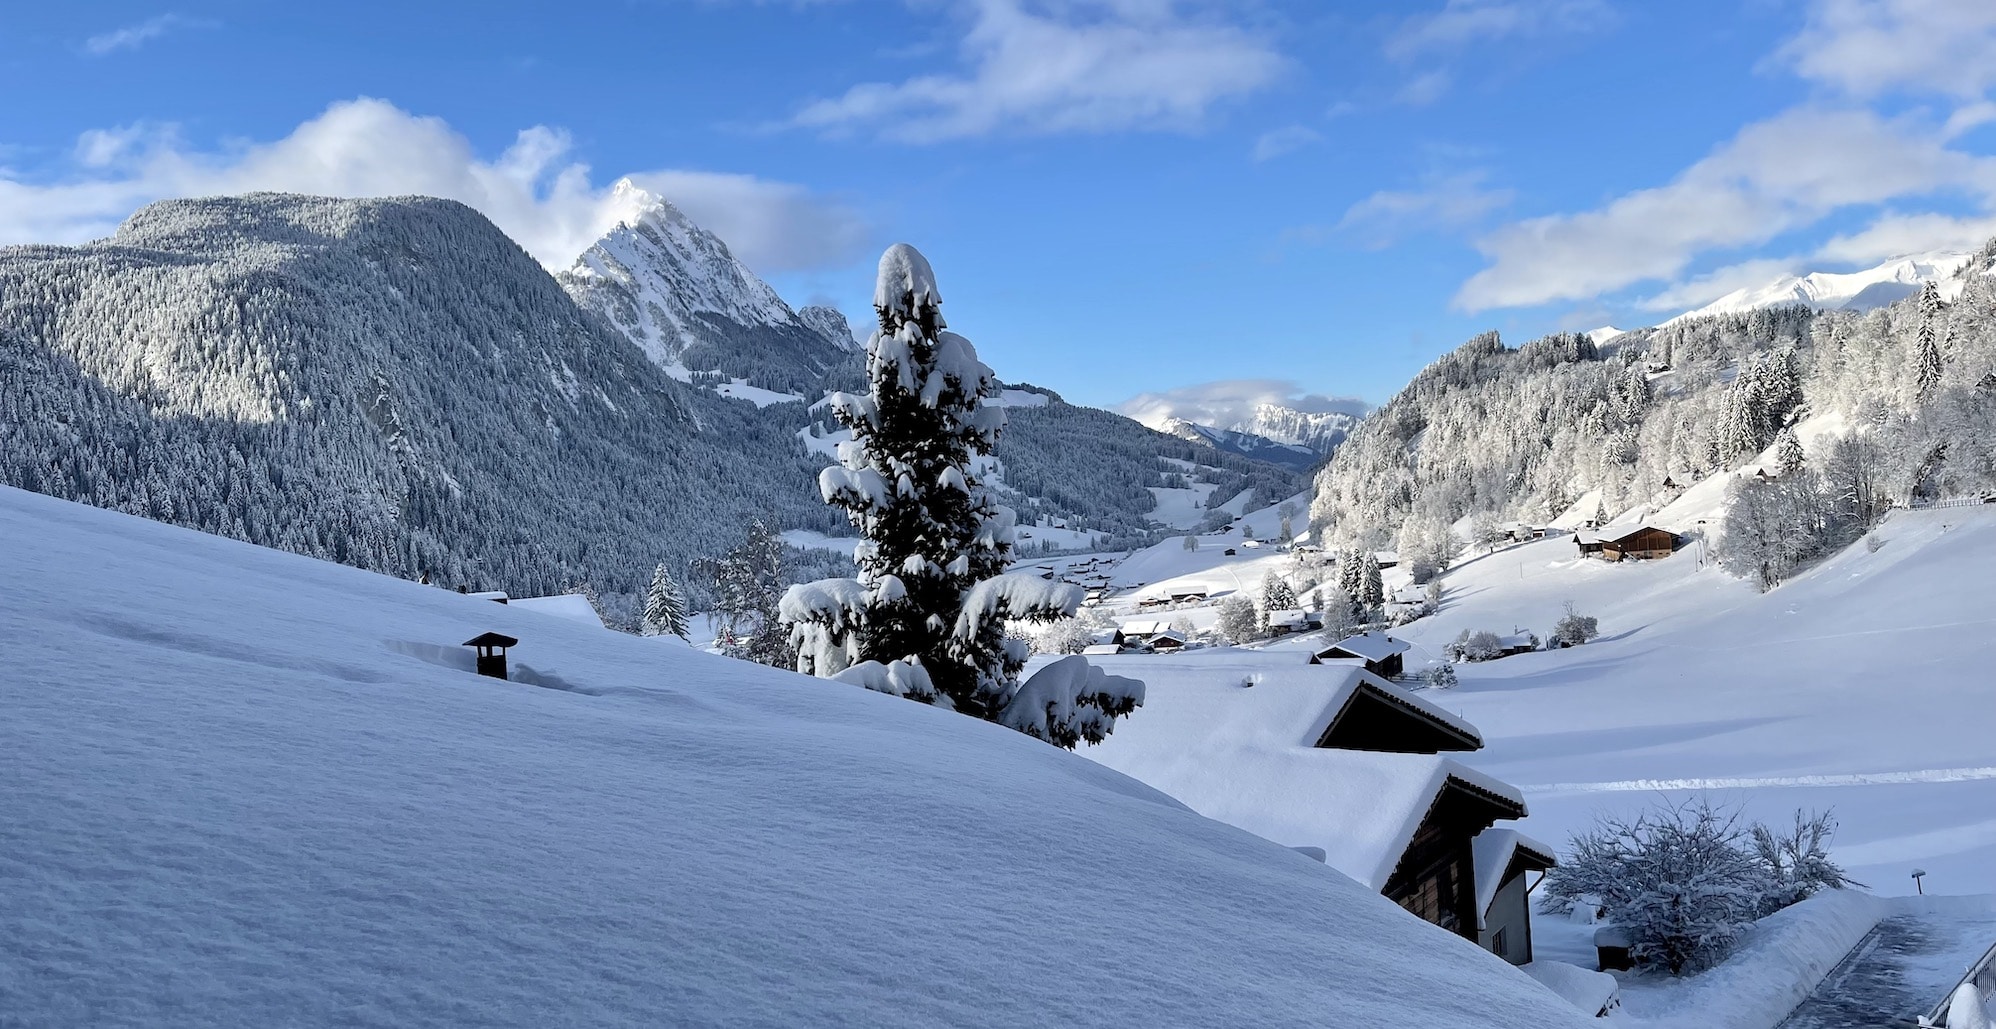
1188,595
1282,623
1333,760
1170,639
1379,653
1505,860
1624,542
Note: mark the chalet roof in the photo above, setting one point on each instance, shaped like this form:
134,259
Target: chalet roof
1616,533
1289,616
1145,628
1494,848
1372,646
1098,649
572,606
1100,636
1244,756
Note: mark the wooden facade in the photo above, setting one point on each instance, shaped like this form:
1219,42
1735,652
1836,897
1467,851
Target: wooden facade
1642,544
1373,719
1436,877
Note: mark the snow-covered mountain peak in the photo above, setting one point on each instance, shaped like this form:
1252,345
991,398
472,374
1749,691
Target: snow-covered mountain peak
1862,290
681,295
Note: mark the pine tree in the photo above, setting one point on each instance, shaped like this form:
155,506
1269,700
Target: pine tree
1276,595
926,617
1787,452
1927,365
665,608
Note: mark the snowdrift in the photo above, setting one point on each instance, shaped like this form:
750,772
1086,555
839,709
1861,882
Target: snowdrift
249,788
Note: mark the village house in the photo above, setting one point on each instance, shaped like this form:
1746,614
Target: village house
1332,760
1284,622
1377,652
1620,542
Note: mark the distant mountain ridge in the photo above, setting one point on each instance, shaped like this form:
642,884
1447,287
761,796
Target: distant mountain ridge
1865,290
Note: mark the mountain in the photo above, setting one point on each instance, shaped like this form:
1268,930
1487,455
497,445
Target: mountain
1241,417
830,323
1245,444
392,384
1841,291
1904,393
675,290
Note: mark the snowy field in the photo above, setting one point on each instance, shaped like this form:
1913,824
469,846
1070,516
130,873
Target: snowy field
1864,685
246,788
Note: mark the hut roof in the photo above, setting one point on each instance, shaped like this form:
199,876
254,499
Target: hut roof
1372,646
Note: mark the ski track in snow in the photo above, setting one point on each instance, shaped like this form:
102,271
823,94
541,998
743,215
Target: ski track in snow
1926,775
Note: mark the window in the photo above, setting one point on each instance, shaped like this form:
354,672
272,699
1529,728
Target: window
1499,944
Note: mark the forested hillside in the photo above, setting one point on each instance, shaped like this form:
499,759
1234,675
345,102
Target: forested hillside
392,384
395,385
1899,402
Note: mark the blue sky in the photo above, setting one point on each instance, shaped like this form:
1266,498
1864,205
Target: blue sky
1119,196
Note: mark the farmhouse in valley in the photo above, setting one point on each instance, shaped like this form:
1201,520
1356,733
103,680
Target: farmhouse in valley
1620,542
1380,653
1332,758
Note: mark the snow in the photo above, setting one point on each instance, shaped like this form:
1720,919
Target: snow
1493,849
1244,755
805,539
1018,398
1181,508
905,282
573,606
1069,692
739,389
1856,291
1968,1009
1584,988
1014,595
248,788
1372,646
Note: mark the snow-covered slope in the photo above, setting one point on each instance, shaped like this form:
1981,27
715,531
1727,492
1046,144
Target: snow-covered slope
1238,417
1246,444
680,295
1833,291
1861,685
248,788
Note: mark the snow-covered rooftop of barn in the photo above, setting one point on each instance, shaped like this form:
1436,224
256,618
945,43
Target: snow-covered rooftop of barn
1244,755
573,606
1372,646
1493,848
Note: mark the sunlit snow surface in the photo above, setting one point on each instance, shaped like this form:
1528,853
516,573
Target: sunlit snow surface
246,788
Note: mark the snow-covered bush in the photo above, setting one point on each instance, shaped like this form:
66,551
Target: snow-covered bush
1442,677
1686,880
1798,860
1066,636
1475,645
1574,628
927,616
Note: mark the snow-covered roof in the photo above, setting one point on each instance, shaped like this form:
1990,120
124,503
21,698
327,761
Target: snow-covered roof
1615,533
1521,641
1244,756
1100,636
572,606
1145,628
1372,646
1290,616
1493,849
1098,649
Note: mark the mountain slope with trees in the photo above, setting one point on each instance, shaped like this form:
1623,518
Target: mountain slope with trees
1899,404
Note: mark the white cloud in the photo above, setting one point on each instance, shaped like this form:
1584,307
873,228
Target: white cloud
1776,175
1285,140
1444,201
1898,235
1461,23
1425,89
1057,66
1870,47
535,190
131,37
1703,289
1232,401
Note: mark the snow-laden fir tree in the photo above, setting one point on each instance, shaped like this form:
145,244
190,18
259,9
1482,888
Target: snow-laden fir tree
665,607
925,618
1276,594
